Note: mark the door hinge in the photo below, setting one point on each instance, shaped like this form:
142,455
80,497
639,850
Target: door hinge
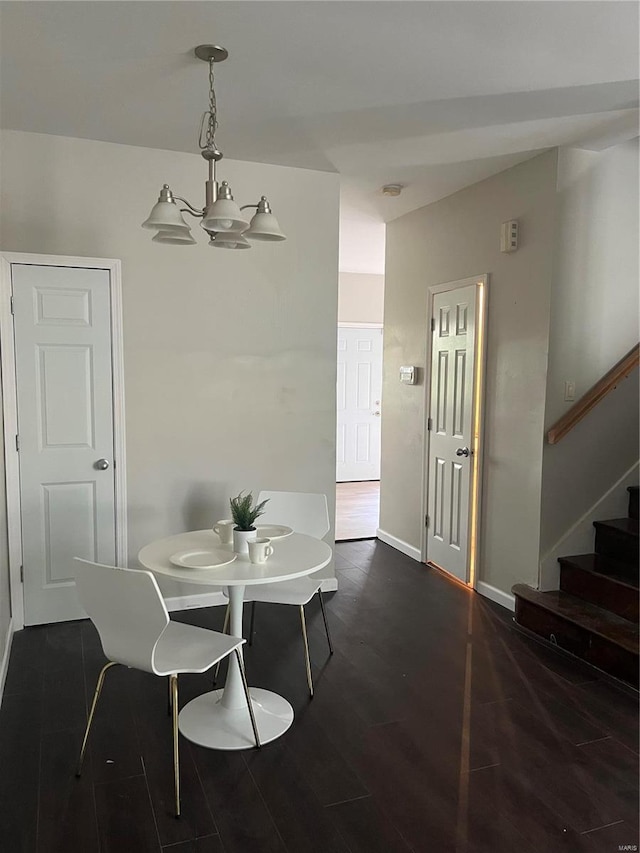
18,443
429,424
21,574
426,521
433,324
11,304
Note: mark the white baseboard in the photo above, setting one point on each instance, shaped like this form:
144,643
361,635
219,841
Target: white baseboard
497,595
4,663
399,544
200,599
215,599
579,539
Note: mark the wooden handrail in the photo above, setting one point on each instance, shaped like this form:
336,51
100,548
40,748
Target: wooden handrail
591,399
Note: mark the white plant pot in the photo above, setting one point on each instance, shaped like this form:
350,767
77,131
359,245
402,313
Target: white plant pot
240,540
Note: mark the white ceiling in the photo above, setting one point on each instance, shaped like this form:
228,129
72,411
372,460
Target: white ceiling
433,95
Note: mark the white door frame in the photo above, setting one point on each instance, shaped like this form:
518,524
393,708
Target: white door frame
10,410
347,325
475,481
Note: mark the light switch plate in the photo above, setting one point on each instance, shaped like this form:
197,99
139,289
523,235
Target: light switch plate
569,390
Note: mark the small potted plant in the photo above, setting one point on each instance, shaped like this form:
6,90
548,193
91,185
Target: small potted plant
244,513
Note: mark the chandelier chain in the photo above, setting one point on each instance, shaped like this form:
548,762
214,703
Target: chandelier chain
213,112
210,118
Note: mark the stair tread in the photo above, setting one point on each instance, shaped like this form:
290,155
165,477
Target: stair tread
625,525
597,564
586,615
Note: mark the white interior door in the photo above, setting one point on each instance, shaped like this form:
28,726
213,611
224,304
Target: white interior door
62,327
359,403
450,436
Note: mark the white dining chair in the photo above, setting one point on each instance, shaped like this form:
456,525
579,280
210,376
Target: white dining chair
130,615
305,513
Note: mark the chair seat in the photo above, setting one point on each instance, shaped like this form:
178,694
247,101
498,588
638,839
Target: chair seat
185,648
297,591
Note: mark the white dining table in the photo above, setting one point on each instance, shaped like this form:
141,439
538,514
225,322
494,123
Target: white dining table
220,719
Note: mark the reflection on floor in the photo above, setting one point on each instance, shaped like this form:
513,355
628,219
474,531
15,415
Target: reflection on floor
357,509
435,728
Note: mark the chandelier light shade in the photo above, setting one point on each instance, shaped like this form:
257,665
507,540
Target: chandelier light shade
264,225
224,214
176,237
225,223
230,240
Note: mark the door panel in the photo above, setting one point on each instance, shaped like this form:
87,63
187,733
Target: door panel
62,328
451,410
358,403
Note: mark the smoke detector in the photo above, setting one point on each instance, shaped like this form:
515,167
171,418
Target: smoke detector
392,189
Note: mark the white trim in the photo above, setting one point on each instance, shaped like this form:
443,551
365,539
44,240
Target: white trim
215,599
479,281
347,325
497,595
119,421
4,663
201,599
399,544
11,461
10,408
579,538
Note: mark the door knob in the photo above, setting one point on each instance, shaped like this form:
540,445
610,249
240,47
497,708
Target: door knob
463,451
102,464
377,414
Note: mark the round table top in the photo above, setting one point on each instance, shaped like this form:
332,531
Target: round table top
294,556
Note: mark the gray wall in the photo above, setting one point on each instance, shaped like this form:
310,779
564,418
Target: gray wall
229,356
594,323
453,239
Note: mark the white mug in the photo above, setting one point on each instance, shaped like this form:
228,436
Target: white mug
224,529
259,550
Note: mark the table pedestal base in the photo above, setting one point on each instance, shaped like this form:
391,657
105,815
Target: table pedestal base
206,722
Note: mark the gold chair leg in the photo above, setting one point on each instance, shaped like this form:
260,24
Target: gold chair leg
326,624
224,631
306,650
173,680
170,699
248,697
96,696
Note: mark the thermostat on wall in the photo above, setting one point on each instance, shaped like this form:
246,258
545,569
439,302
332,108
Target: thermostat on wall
408,374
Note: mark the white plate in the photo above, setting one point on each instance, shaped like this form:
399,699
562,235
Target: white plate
202,559
273,531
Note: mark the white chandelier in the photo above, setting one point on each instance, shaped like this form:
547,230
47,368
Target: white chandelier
221,217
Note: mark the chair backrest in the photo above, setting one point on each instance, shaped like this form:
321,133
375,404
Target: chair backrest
127,609
305,513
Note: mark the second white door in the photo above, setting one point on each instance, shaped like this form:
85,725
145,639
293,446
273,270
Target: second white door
64,384
359,403
451,442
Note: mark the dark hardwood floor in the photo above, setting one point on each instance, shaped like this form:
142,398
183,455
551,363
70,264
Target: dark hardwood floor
436,727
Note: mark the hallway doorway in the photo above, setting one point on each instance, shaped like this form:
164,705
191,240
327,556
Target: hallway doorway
357,510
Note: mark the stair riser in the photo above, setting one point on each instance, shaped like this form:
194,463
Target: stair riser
633,503
618,545
578,641
599,590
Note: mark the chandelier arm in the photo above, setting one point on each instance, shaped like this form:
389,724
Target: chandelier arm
245,206
194,211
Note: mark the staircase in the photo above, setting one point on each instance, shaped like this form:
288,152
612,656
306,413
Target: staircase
594,614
